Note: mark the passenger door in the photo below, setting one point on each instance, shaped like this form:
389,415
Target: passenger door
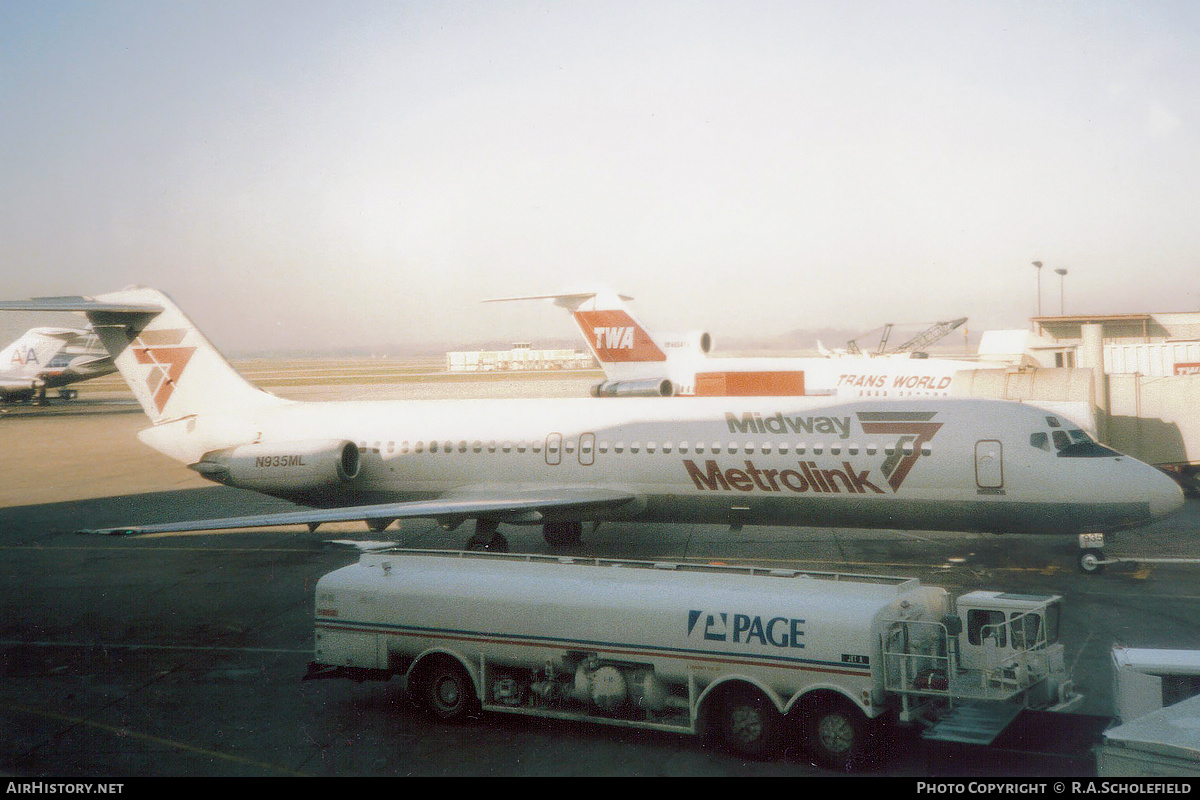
989,465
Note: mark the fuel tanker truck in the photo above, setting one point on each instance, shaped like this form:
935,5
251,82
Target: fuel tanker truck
744,655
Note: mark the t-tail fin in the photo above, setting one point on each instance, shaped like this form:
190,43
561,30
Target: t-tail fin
170,366
613,334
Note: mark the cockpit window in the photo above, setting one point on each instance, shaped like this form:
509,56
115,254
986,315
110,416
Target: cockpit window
1072,443
1077,444
1087,449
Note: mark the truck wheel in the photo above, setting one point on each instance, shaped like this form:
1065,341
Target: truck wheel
834,733
445,689
747,724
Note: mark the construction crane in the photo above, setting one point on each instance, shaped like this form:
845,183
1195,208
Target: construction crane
929,335
923,339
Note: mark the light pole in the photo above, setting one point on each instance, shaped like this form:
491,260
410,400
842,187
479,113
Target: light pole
1038,265
1062,274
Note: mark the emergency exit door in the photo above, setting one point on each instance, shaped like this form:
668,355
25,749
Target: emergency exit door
989,464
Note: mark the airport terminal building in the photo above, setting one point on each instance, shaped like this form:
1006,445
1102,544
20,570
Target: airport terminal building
1139,372
521,356
1143,344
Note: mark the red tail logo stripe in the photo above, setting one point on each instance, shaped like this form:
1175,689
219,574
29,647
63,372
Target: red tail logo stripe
161,351
615,336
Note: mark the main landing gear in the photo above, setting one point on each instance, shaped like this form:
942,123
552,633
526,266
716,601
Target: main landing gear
488,537
557,534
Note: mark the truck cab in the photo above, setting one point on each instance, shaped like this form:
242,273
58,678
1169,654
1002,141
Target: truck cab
989,646
1003,627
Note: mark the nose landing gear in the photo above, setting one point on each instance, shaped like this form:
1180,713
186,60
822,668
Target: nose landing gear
1091,553
1091,561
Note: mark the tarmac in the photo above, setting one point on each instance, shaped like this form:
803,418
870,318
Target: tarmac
182,655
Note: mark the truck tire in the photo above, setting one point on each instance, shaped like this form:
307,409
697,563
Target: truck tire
834,731
746,723
444,689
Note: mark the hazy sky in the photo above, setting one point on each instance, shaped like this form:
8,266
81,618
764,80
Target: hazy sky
353,173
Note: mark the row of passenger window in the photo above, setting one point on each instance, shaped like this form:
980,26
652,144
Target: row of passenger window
586,447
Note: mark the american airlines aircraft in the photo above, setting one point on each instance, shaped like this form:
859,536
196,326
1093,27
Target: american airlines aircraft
637,363
50,358
925,463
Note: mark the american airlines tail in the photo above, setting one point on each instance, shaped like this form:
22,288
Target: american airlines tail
35,348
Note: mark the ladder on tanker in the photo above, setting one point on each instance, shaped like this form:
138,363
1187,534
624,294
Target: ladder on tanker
976,722
930,674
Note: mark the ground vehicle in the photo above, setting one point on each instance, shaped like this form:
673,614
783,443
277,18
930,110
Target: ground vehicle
1147,679
1162,743
738,652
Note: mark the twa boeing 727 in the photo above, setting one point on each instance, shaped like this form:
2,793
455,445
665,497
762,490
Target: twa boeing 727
637,363
926,463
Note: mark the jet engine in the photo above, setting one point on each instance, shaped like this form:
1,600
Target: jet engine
692,342
648,387
282,467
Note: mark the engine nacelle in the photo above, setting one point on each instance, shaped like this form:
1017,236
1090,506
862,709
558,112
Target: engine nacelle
283,467
649,387
687,342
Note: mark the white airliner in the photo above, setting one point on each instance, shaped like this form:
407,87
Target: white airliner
50,358
925,463
637,363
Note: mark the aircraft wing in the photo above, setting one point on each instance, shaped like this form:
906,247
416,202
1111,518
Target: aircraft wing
506,505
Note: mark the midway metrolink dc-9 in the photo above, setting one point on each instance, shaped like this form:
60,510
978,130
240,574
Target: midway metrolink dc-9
929,463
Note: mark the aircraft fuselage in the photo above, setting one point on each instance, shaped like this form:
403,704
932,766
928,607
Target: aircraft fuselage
931,465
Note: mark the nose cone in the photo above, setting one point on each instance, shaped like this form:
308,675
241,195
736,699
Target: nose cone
1165,495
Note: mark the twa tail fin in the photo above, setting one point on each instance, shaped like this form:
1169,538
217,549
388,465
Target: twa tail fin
613,334
172,369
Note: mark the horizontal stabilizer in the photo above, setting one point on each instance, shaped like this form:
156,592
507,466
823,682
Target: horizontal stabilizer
502,505
65,334
82,305
571,300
